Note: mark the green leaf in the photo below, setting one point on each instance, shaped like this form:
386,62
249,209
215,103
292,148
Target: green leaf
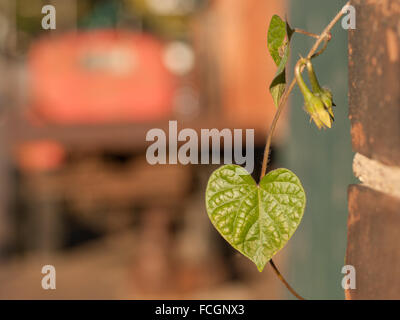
279,35
278,84
257,220
276,37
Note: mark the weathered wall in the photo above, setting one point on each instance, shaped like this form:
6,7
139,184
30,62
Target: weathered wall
374,110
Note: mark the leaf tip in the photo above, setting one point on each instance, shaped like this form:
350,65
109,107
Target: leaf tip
260,266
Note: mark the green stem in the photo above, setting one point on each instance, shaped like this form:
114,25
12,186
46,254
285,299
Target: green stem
300,82
313,78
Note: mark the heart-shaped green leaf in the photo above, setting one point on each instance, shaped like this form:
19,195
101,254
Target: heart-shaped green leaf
257,220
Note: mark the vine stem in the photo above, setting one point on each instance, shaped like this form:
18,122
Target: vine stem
310,34
284,281
324,36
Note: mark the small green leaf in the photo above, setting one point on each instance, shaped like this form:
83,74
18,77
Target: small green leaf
279,35
257,220
278,85
276,38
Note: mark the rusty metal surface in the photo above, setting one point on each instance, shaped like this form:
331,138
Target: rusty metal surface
374,80
373,244
374,110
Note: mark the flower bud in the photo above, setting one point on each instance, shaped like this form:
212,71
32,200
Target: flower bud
314,104
319,114
323,93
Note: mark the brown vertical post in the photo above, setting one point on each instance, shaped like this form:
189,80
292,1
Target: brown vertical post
374,109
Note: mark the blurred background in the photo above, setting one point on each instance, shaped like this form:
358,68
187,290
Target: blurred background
76,190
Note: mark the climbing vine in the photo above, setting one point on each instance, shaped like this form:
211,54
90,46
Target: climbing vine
259,219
